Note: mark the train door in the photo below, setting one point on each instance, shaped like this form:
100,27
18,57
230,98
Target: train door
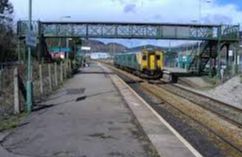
143,61
152,61
158,61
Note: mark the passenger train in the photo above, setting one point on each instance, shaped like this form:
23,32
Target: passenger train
146,63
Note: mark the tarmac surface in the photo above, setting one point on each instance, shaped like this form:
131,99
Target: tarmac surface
86,118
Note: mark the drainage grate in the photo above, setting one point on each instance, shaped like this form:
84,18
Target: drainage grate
74,91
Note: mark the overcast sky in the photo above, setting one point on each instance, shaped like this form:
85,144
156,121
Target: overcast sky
173,11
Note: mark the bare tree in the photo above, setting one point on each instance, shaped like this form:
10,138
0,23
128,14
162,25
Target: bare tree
7,36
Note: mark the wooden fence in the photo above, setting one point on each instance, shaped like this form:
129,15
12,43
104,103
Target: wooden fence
46,78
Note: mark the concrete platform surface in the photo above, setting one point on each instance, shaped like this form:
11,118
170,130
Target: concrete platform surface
85,118
175,70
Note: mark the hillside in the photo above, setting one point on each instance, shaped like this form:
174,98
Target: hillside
138,48
98,46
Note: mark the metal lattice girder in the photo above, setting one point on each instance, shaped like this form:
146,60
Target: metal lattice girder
22,28
132,30
230,32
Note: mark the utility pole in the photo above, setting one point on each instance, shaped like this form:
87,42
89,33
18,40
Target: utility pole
200,11
67,39
29,84
200,22
68,46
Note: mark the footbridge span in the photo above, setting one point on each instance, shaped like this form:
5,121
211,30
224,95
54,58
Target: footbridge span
215,37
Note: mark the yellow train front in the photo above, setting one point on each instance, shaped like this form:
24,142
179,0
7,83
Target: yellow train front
147,63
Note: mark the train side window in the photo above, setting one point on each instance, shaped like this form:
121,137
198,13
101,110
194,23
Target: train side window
158,57
144,58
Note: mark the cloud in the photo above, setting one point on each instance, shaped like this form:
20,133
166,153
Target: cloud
120,1
158,17
162,11
173,11
129,8
218,18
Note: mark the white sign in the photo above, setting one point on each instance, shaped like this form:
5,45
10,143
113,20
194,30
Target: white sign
85,48
230,53
31,39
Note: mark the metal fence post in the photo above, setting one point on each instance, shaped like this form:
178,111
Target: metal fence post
64,70
41,80
50,77
56,76
1,75
16,92
61,72
69,67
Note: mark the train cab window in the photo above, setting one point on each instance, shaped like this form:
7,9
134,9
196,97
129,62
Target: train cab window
157,57
144,58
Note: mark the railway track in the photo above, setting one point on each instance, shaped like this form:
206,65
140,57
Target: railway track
222,129
218,118
226,111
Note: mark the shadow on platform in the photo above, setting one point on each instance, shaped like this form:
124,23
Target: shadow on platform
41,107
76,99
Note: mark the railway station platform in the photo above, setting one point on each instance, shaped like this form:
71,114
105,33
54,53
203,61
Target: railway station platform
178,71
171,74
175,70
95,114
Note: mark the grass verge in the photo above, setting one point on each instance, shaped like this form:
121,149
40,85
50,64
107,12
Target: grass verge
11,122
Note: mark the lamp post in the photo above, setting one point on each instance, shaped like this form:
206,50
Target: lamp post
67,46
29,66
200,22
67,40
198,49
200,11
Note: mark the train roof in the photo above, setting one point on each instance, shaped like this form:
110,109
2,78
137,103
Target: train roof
135,52
127,53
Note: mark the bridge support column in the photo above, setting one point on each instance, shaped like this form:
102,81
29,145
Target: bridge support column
219,52
227,57
210,61
237,58
219,60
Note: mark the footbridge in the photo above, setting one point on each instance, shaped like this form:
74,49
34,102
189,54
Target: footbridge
131,30
215,37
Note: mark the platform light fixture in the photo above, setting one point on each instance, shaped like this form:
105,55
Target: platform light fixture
67,40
